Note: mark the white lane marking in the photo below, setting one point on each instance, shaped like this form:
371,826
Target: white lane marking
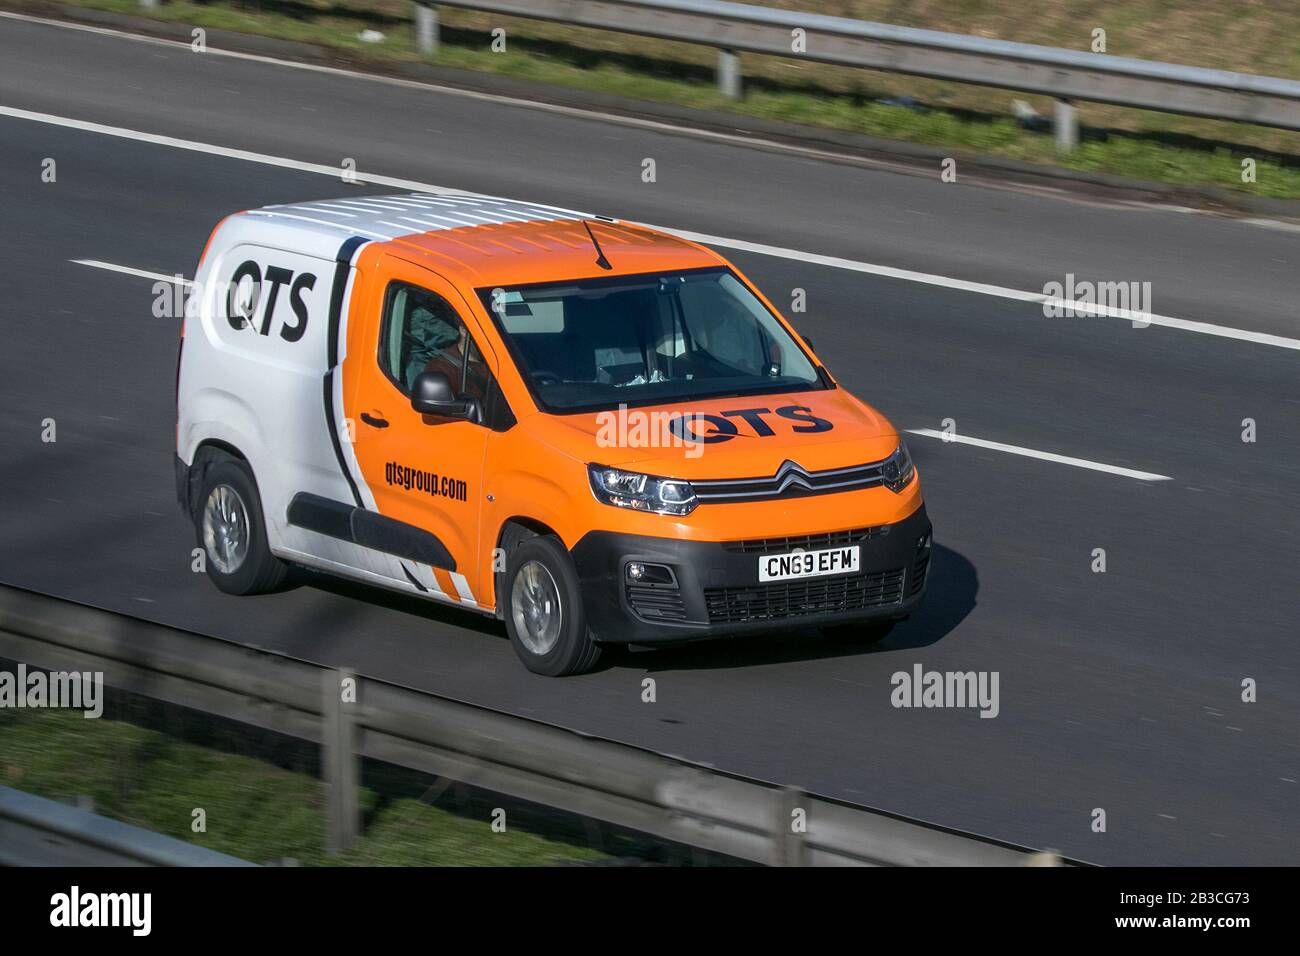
676,129
462,585
579,112
982,288
1278,224
835,262
130,271
1041,455
227,152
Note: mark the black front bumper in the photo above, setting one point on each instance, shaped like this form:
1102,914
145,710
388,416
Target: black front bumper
715,588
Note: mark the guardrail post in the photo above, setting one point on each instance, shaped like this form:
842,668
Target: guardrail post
148,4
1067,127
339,763
426,30
729,74
788,847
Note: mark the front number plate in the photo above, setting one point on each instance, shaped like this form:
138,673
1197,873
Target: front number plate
808,564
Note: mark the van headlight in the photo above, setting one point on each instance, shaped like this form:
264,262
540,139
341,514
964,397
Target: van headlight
898,469
630,489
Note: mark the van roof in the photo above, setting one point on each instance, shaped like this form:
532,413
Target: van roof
493,241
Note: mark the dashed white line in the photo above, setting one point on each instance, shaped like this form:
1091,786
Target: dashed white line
949,437
780,252
131,271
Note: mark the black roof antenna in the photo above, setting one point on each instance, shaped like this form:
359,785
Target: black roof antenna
600,253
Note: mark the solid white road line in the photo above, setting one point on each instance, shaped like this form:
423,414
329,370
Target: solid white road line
226,152
128,270
749,140
963,285
926,432
741,139
834,262
1040,455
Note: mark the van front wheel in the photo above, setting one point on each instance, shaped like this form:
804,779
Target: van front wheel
543,610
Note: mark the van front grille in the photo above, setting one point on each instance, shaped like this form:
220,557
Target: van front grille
790,481
787,599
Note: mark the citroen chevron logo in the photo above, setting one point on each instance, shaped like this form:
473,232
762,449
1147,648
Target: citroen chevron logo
791,474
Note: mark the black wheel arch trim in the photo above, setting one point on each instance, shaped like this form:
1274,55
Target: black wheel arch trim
189,476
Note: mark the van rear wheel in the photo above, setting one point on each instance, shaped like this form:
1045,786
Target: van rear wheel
232,532
543,610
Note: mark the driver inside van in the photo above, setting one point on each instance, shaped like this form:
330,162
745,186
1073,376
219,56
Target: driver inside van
433,343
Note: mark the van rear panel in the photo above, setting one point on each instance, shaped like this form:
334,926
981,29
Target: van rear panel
256,360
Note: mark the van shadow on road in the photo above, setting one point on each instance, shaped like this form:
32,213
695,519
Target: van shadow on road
954,584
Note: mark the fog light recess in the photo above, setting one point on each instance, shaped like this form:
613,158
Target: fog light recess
638,572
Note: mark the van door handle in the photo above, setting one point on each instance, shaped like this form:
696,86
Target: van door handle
374,422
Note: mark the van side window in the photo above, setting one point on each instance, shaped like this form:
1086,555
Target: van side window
421,332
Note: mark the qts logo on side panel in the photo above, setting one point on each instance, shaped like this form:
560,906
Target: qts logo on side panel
245,291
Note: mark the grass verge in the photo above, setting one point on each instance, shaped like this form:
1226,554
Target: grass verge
255,809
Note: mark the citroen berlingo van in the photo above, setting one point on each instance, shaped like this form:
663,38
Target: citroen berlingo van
592,430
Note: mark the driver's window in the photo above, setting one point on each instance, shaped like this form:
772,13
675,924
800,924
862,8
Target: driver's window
422,333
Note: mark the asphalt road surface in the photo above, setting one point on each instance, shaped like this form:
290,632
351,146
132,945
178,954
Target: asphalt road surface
1119,690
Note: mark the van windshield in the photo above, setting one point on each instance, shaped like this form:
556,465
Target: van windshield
635,340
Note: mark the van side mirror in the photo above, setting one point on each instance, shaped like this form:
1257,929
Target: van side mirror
807,340
432,395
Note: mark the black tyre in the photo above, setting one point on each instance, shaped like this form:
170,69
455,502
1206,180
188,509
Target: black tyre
864,633
232,533
543,610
